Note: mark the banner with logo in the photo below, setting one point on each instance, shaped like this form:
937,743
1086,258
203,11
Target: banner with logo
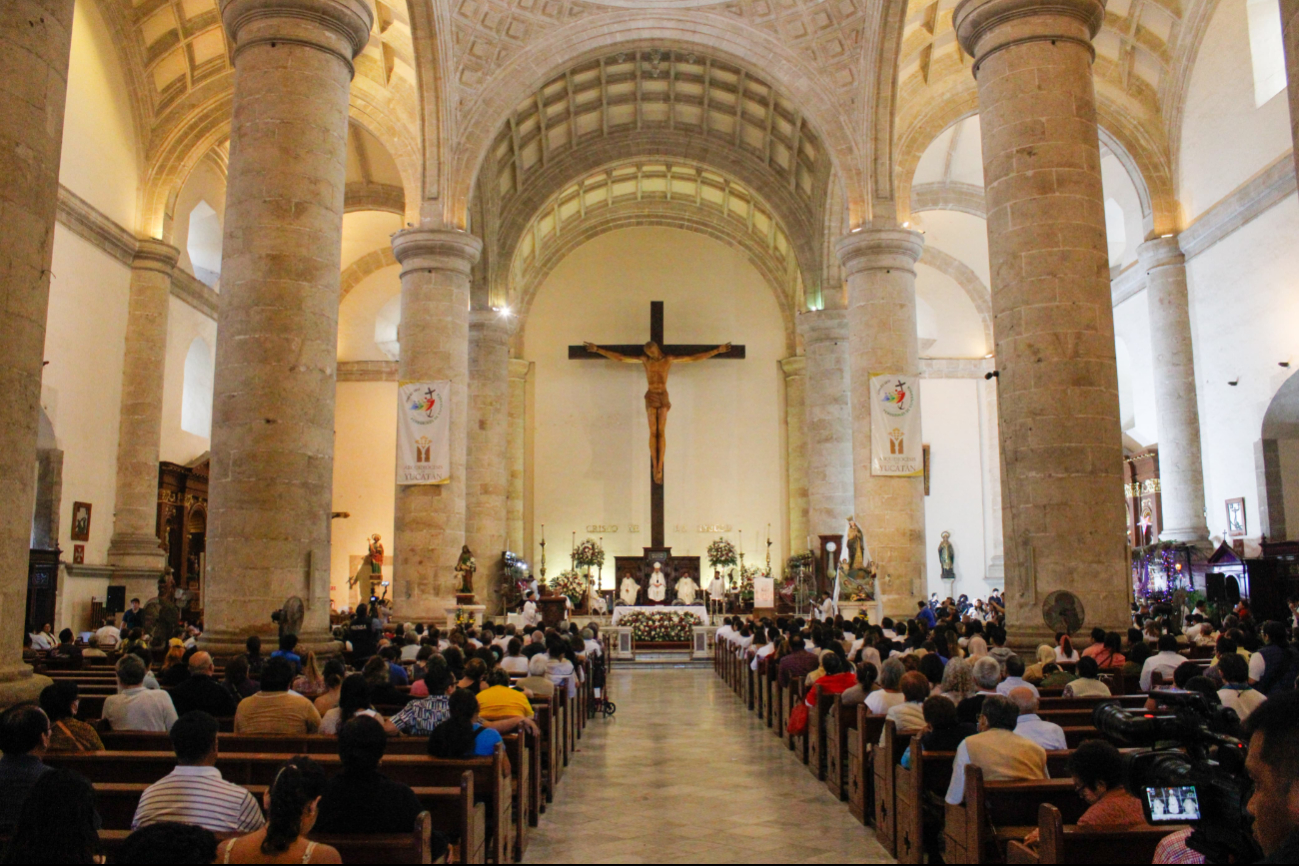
423,432
764,592
896,447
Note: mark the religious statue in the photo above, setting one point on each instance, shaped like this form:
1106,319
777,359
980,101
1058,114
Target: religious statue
161,613
657,365
466,568
658,585
628,590
686,589
855,545
947,557
376,557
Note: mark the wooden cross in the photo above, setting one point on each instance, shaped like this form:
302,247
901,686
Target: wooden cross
581,353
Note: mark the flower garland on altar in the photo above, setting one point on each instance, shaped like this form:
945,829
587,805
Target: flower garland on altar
721,554
589,554
568,583
661,626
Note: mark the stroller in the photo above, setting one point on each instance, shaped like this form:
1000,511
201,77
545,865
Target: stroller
601,705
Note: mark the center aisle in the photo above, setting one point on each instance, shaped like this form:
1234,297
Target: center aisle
682,774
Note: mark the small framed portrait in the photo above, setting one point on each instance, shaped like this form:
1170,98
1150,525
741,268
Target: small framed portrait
78,554
1237,527
81,521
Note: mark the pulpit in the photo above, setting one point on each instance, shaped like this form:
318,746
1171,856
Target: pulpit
553,608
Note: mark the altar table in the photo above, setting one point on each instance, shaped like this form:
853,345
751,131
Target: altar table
698,610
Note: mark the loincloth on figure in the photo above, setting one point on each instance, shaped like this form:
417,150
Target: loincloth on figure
657,400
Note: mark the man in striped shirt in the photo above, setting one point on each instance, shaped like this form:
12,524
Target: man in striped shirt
194,792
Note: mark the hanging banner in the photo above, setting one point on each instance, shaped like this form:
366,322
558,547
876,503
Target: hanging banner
896,448
423,432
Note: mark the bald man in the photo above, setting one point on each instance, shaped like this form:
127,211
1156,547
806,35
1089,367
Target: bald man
201,691
1048,735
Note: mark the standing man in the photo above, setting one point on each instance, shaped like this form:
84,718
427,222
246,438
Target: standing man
133,618
529,610
716,592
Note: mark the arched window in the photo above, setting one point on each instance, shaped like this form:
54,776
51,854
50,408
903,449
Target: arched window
204,244
1266,49
196,395
386,328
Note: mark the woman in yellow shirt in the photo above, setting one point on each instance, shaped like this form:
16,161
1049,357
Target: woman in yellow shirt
500,701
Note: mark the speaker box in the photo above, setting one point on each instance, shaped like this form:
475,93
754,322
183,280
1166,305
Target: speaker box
116,601
1215,589
1233,591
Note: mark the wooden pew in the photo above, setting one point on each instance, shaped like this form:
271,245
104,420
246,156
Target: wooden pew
1060,843
839,722
492,782
995,813
861,776
817,716
884,762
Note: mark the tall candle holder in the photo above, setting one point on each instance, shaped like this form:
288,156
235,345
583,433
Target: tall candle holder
543,553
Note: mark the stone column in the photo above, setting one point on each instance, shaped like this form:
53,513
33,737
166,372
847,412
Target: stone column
828,427
990,451
135,515
880,267
795,370
35,39
1181,469
1290,39
487,474
277,330
516,541
1061,440
429,519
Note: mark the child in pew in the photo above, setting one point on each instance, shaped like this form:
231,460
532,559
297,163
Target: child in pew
292,804
1097,770
462,735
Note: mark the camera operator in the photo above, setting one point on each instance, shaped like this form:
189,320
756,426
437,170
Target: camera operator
1273,765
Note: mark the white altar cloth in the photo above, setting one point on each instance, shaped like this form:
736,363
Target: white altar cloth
698,610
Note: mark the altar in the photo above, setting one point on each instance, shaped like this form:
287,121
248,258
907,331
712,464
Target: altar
622,611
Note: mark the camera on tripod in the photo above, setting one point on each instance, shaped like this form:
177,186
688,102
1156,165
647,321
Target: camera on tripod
1190,770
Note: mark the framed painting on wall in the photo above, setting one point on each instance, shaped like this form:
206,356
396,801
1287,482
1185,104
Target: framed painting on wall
1237,525
81,521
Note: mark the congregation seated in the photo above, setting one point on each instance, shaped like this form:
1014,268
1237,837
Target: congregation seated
866,674
1236,691
560,665
515,662
310,681
67,650
237,680
288,651
175,670
1167,660
136,707
67,733
195,792
889,693
1015,678
1048,735
499,700
44,639
353,701
200,691
958,685
378,674
537,681
1097,771
108,635
359,798
419,717
24,735
1088,684
56,822
909,716
986,674
168,842
1035,673
274,709
462,735
292,804
798,663
997,750
944,731
333,674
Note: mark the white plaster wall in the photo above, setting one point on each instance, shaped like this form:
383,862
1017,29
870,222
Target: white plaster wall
589,443
950,413
959,329
1225,139
184,323
1289,449
100,150
365,457
1243,309
1132,326
81,386
960,235
357,313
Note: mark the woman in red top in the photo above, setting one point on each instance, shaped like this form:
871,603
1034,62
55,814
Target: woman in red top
838,678
1097,770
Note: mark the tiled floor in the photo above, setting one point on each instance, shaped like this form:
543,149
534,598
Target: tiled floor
684,774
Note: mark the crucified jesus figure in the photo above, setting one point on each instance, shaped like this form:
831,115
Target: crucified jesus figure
657,364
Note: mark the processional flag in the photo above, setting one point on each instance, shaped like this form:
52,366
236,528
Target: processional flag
423,433
896,447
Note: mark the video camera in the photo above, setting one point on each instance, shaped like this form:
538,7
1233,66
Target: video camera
1190,770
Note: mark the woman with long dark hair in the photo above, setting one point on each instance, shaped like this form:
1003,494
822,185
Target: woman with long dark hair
353,700
462,736
57,823
291,808
334,674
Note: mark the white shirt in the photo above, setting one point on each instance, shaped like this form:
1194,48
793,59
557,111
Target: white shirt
1048,735
1243,702
108,637
742,644
1164,662
1006,685
724,633
515,665
1061,657
878,703
1257,667
140,709
198,795
40,640
593,648
763,651
529,613
409,652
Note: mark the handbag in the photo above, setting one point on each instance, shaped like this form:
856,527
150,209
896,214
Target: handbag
797,720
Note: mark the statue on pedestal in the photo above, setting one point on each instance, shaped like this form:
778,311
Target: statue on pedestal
161,613
947,557
466,568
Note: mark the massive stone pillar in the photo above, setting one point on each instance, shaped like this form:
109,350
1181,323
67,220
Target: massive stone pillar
829,424
135,515
35,39
1181,469
1053,316
516,538
429,519
1290,38
487,473
880,266
277,330
795,370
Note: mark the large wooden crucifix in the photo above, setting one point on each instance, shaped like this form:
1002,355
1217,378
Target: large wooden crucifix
657,358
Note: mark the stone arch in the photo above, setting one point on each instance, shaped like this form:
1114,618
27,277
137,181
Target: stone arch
370,263
661,214
967,279
1277,455
579,41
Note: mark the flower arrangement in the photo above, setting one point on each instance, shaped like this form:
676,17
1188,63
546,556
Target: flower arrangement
661,626
464,618
745,585
721,554
568,583
589,554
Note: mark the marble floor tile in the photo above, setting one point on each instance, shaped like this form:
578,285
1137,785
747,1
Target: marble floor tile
683,773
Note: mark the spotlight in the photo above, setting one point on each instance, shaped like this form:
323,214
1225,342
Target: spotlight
995,374
1234,382
1284,364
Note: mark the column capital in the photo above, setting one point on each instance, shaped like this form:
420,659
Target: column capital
1161,253
155,255
879,249
519,369
340,27
984,27
422,249
823,326
794,367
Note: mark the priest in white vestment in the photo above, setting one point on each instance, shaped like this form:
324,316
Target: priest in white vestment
658,585
530,616
686,590
628,590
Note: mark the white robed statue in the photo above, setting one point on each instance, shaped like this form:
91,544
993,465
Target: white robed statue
595,602
628,590
687,589
658,585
